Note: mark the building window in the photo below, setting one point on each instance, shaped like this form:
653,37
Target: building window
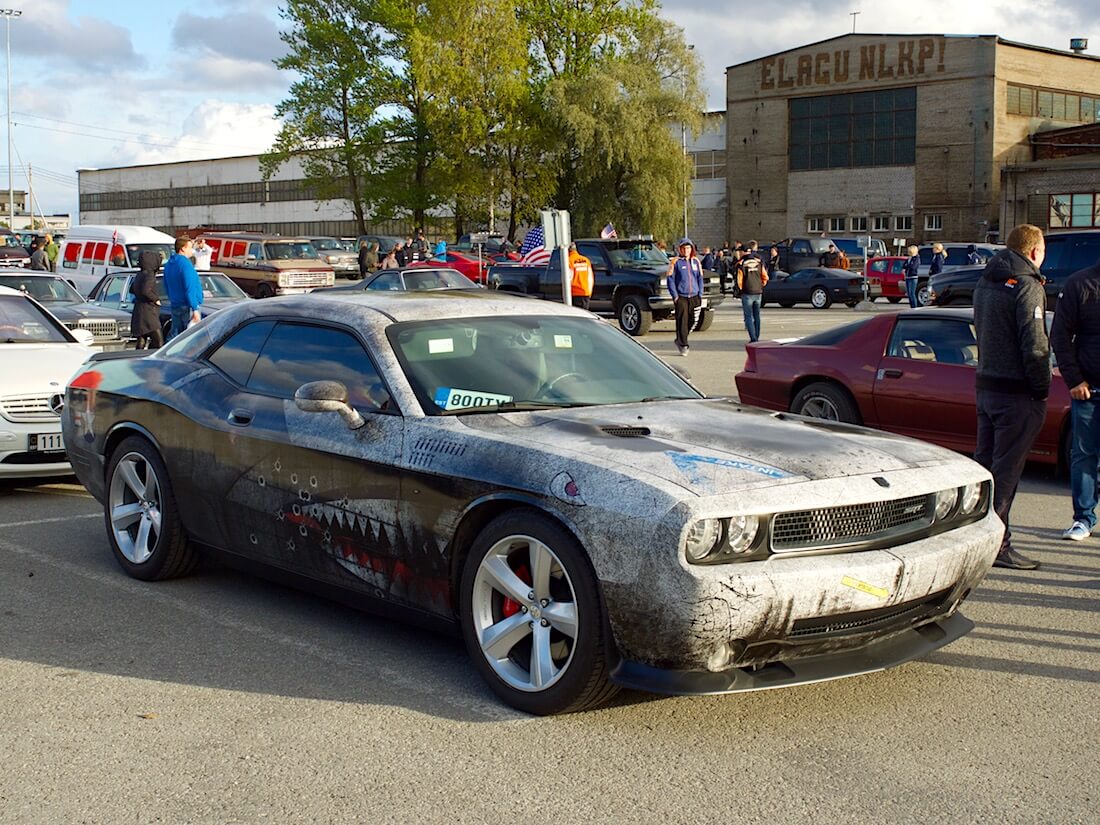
933,223
874,128
1074,210
815,225
1051,103
837,224
859,224
881,223
903,223
709,164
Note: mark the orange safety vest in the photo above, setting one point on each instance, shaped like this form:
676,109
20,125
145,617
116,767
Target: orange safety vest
583,278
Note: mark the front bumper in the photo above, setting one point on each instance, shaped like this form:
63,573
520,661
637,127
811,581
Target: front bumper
878,655
17,460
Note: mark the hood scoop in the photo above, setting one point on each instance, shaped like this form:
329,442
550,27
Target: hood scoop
625,432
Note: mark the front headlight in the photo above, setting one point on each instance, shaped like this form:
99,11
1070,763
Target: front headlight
741,533
331,259
702,539
945,503
971,498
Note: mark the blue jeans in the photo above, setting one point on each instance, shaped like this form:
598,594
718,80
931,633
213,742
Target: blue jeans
911,292
181,317
1084,455
750,306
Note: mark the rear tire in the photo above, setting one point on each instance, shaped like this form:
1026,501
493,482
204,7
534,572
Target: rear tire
532,619
924,294
893,299
819,298
826,401
143,523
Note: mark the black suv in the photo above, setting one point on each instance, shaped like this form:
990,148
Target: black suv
1067,252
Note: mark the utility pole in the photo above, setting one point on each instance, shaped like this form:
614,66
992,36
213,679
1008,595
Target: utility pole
8,14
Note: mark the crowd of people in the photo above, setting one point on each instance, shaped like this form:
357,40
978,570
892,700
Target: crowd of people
400,254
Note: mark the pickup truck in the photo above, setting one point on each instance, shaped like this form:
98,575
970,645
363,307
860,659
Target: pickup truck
630,283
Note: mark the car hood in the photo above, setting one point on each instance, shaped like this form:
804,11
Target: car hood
75,312
40,367
715,446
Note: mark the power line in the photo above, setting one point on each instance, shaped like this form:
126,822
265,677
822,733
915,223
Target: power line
118,131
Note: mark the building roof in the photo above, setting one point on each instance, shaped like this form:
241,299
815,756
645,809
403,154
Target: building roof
167,163
999,40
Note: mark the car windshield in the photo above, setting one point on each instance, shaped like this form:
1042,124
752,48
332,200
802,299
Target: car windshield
525,362
437,279
43,290
21,322
637,253
214,285
134,250
288,250
326,244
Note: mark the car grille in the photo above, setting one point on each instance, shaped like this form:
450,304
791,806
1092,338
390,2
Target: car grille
27,408
854,523
299,279
102,330
869,621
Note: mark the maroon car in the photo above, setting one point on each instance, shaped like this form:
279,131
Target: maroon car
910,372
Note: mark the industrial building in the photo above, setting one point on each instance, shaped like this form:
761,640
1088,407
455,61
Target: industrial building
896,136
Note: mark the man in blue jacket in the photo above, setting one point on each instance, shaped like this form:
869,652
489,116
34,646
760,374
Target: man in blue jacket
181,281
685,282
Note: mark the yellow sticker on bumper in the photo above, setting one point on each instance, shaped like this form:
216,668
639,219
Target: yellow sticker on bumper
879,592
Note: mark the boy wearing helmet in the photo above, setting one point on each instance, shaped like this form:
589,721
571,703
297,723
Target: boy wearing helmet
685,282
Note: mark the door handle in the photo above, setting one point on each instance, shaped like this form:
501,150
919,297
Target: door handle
241,418
890,373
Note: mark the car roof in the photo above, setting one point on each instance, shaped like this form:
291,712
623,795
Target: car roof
422,306
962,313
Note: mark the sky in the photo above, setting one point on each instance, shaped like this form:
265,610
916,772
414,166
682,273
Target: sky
101,83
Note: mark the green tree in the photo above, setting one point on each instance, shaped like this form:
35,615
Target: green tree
329,119
614,77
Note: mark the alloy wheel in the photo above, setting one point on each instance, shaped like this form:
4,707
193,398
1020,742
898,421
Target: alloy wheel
818,298
628,316
134,502
820,407
525,613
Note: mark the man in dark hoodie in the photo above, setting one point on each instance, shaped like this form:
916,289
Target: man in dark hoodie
1013,370
1075,338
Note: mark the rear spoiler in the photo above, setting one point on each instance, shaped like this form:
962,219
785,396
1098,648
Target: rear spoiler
120,354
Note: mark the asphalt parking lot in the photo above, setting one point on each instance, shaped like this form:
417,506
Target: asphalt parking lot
221,698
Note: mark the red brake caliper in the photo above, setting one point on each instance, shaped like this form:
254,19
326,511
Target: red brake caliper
510,607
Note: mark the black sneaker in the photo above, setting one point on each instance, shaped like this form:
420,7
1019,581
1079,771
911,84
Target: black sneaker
1014,561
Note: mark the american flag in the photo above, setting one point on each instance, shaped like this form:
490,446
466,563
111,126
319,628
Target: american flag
533,251
609,232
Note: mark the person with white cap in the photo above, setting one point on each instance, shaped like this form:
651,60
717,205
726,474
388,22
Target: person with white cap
685,282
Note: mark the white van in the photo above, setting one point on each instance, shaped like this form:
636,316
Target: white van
90,252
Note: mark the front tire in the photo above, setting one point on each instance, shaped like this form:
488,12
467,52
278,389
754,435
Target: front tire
706,319
531,616
924,294
634,316
143,523
824,400
820,299
894,299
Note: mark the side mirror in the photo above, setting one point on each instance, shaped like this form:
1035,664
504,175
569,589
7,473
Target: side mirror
83,336
250,258
328,396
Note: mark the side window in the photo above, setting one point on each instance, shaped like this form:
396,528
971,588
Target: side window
89,249
897,267
237,354
100,254
1055,254
1086,253
930,339
215,245
879,266
71,258
118,256
296,354
801,248
956,256
113,292
593,252
925,255
387,280
255,249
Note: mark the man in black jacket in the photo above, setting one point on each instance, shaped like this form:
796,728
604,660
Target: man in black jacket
1075,338
1013,376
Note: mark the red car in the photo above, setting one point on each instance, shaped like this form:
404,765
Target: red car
890,270
910,372
465,263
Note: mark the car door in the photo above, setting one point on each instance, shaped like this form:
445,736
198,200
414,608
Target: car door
924,384
603,285
112,292
306,492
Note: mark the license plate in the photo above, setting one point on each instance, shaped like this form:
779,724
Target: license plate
46,443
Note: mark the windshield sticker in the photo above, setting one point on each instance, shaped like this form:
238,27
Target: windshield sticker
691,466
439,345
452,398
563,341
